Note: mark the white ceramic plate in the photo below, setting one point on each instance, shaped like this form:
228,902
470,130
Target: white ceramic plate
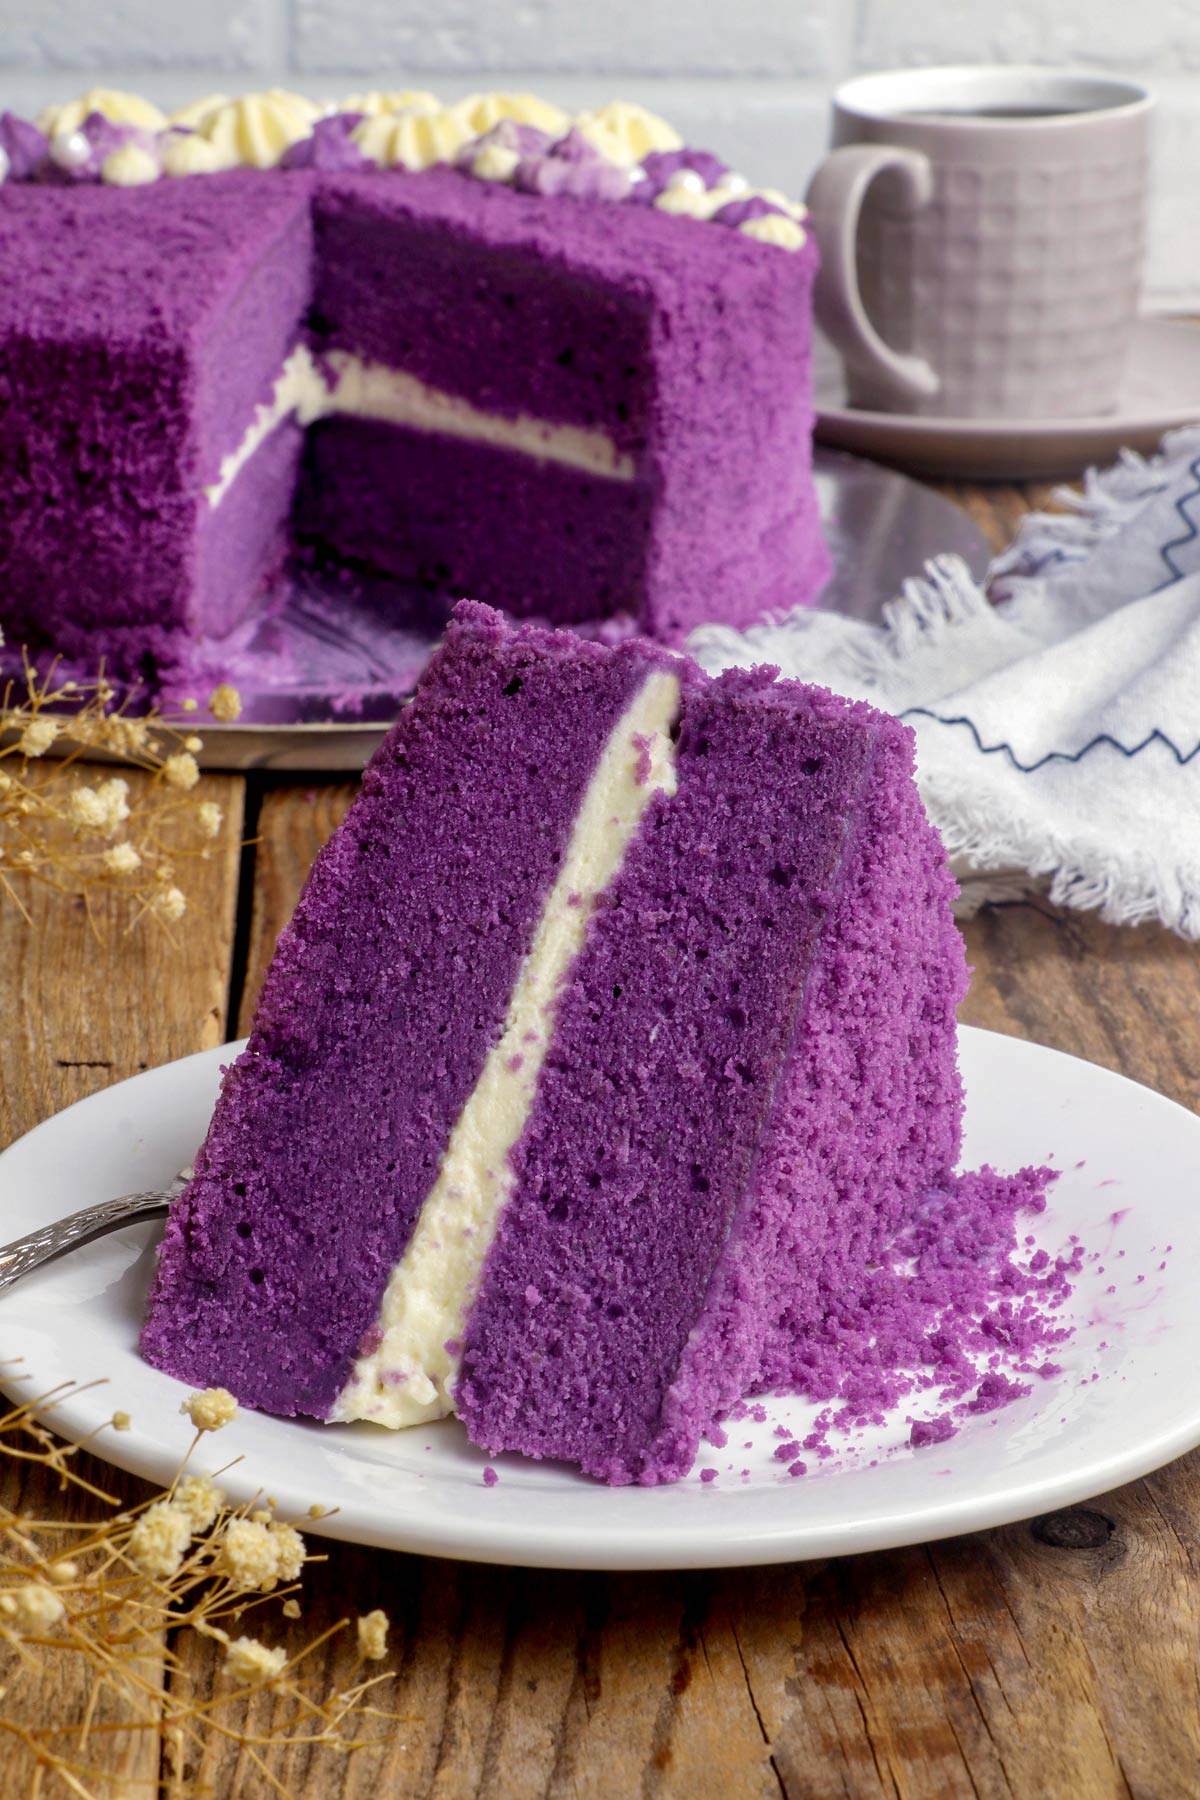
1126,1401
1159,390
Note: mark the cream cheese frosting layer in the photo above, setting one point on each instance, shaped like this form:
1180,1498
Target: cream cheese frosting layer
410,1362
348,385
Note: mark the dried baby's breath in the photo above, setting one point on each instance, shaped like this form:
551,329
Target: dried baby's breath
186,1560
66,827
211,1409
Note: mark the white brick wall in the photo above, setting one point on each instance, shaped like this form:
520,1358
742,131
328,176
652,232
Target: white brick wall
749,78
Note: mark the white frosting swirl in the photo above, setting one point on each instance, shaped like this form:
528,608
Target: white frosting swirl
625,133
482,111
774,228
117,107
185,153
130,166
494,163
397,100
412,140
254,131
195,115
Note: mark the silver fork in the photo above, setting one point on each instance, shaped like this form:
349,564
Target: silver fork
17,1259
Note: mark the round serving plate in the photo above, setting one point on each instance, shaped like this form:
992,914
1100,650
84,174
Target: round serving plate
1119,1399
323,675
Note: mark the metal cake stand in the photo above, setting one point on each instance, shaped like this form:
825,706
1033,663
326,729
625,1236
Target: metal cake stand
323,675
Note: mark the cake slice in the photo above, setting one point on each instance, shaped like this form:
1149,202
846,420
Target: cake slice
611,1042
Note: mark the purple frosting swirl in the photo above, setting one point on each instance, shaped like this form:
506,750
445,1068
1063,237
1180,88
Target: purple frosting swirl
329,146
660,165
754,207
506,134
23,144
572,166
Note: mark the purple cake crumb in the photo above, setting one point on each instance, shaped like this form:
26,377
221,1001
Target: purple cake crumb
708,1474
796,1469
786,1452
996,1390
490,1477
932,1431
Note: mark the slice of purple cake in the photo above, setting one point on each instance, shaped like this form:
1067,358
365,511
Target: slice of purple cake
610,1045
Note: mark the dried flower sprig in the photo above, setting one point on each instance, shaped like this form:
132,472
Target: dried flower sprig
78,832
108,1591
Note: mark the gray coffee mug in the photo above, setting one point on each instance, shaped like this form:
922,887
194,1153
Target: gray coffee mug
982,238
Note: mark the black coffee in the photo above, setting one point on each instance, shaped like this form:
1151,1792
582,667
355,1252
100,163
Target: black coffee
992,112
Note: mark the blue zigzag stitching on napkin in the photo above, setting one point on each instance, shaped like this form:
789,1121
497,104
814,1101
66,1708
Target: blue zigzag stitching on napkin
1192,532
1071,756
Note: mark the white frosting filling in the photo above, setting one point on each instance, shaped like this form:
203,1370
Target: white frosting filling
369,390
410,1375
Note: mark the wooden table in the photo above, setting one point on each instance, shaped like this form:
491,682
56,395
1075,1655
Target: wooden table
1054,1659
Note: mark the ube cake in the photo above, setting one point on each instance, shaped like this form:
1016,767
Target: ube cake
559,365
611,1042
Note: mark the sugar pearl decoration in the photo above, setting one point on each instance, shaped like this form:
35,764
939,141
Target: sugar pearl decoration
69,151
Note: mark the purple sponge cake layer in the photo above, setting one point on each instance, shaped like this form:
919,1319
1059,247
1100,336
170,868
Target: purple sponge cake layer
139,328
534,537
697,1106
863,1126
383,999
516,302
748,1085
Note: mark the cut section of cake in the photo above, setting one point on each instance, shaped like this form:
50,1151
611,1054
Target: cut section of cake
140,331
610,1045
573,410
562,366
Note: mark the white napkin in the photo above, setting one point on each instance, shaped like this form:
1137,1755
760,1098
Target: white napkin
1058,730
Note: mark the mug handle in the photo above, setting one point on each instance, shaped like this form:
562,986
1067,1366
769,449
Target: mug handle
834,200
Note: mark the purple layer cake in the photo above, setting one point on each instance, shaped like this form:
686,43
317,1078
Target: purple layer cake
562,366
611,1043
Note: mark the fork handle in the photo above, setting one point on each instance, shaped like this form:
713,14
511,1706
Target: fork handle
17,1259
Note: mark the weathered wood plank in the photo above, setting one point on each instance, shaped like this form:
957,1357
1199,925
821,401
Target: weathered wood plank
293,823
83,1011
80,1013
